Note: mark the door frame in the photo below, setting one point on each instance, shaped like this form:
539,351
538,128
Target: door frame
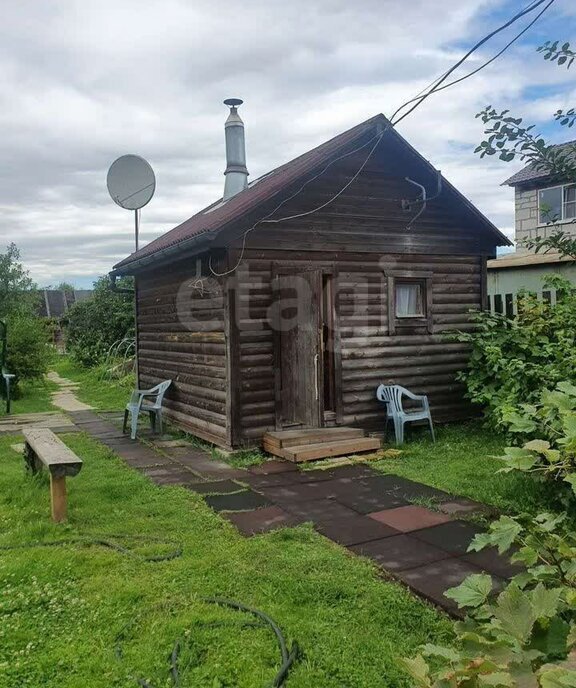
294,267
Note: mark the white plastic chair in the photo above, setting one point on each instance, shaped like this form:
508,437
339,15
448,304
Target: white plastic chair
391,395
139,404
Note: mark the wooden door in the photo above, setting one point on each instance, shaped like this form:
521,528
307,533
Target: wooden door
298,353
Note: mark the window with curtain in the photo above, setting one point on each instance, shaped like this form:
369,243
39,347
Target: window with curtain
409,299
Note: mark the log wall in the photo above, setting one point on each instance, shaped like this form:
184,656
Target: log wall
368,355
182,336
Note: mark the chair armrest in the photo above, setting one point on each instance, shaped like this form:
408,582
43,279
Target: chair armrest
145,392
418,397
414,397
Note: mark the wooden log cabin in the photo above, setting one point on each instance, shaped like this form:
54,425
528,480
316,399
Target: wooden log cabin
287,302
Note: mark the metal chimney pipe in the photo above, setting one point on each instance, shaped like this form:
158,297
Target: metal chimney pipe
236,172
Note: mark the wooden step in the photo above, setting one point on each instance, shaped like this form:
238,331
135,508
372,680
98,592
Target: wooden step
291,438
323,450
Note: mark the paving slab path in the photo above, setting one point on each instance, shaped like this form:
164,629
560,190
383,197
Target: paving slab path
16,422
369,513
65,396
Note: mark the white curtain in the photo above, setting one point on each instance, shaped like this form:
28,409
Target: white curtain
408,300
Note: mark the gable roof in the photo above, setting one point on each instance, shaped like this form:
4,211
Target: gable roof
532,173
200,229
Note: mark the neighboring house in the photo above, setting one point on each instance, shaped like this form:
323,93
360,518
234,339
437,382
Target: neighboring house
333,276
542,205
55,302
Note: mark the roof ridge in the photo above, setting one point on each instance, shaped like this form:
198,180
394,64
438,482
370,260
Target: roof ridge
221,212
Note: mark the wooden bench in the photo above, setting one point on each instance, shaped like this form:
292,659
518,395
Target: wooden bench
43,448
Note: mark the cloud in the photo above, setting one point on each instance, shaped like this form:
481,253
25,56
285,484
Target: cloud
85,81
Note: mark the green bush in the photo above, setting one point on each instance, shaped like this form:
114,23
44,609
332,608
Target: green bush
512,361
96,323
547,432
526,636
29,352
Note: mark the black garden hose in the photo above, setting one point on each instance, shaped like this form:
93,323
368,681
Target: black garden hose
107,542
288,657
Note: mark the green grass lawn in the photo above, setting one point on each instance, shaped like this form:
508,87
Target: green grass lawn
104,395
33,397
462,462
61,608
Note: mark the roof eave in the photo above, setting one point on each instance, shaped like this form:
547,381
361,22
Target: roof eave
191,246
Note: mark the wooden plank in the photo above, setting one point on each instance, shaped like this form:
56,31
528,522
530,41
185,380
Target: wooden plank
323,450
58,498
52,452
299,437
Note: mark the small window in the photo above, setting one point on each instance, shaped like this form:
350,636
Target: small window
498,307
409,299
550,204
410,308
570,202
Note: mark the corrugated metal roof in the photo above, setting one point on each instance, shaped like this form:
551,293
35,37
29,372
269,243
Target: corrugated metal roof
531,172
264,189
520,260
216,215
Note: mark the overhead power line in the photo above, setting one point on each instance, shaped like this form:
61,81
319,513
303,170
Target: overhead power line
434,87
420,99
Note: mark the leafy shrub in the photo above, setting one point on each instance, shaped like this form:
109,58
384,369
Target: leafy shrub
512,361
96,323
547,432
29,353
524,638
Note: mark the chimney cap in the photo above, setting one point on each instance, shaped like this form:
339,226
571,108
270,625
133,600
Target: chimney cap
233,102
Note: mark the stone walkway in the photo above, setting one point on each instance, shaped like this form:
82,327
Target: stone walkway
16,422
370,514
65,397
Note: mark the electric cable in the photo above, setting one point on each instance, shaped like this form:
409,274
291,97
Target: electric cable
377,136
480,43
436,87
436,82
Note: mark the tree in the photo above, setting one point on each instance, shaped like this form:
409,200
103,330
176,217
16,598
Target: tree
96,323
17,290
65,286
510,138
28,353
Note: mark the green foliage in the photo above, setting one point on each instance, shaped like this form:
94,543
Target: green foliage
510,138
17,290
523,637
548,432
562,55
28,352
513,360
96,323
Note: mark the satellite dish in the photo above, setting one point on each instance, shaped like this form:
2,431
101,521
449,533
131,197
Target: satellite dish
131,182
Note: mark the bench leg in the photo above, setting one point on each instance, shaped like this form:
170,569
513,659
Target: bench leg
58,498
30,459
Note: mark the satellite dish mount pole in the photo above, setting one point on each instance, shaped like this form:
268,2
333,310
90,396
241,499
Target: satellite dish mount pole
136,226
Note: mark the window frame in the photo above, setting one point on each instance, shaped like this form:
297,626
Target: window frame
400,281
408,323
543,223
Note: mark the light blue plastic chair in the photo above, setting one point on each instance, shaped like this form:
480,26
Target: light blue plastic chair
146,401
391,395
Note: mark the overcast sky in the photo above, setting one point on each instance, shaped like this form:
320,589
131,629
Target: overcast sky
85,81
